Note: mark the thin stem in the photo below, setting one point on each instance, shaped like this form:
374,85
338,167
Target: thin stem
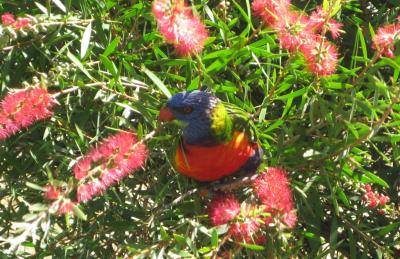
65,91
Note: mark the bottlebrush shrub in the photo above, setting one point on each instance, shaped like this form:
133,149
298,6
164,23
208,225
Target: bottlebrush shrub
317,81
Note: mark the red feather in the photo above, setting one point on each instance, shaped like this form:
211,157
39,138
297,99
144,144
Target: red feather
213,163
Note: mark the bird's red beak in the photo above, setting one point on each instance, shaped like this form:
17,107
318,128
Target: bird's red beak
166,114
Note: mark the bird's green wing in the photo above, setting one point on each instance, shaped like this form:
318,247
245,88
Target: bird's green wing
242,120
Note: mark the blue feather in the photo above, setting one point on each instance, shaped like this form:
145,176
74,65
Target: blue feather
197,131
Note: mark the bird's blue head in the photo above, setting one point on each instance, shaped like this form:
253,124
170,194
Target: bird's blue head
195,110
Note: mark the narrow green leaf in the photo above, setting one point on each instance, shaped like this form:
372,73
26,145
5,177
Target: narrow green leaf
204,250
376,179
363,44
292,94
333,235
252,247
214,238
180,239
112,46
157,81
79,64
38,207
342,196
42,8
60,5
80,133
109,65
86,40
35,186
79,213
164,234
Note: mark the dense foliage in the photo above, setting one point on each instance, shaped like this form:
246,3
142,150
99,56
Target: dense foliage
109,69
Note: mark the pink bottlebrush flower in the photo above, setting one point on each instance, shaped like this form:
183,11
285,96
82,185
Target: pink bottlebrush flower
290,219
247,226
179,26
80,169
7,19
384,39
162,9
21,109
272,187
22,23
52,193
292,31
319,20
84,193
223,208
270,11
382,199
373,199
113,160
87,191
247,231
65,207
321,56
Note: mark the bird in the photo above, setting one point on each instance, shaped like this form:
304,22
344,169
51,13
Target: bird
217,139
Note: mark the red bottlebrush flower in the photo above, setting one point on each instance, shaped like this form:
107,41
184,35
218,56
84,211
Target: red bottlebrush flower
179,26
270,11
52,193
321,56
22,23
223,208
320,19
21,109
7,19
66,207
272,187
113,160
384,39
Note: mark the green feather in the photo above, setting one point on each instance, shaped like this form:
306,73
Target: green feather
221,123
242,121
226,117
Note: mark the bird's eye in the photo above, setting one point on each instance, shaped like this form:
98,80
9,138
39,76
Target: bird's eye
187,109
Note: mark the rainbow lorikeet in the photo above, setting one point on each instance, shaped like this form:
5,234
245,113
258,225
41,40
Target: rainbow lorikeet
216,141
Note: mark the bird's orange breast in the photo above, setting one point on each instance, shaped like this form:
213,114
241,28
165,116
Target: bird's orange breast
213,163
